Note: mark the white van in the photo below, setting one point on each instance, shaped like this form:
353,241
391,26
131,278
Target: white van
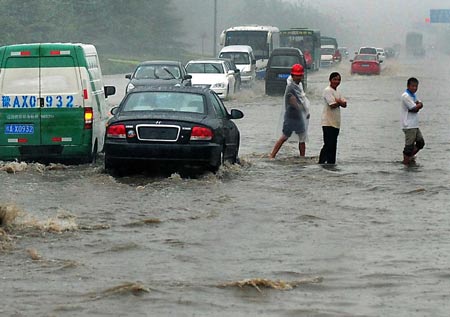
242,56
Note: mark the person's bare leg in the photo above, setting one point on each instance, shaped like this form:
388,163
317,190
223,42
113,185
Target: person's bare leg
277,146
302,148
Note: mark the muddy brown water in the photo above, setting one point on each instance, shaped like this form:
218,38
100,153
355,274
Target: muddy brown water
368,237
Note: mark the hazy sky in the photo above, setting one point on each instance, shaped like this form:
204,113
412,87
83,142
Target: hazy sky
381,22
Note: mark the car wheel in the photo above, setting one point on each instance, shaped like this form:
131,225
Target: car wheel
215,167
110,164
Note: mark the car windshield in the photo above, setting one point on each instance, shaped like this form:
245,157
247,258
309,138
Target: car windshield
164,101
327,51
284,60
239,58
157,72
205,68
365,58
367,50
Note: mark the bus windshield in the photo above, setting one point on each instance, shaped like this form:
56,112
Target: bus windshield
256,39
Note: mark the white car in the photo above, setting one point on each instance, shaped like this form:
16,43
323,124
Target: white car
381,54
214,74
327,55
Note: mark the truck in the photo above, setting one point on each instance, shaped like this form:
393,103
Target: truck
414,44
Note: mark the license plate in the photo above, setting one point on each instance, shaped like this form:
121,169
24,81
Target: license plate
364,65
19,129
283,76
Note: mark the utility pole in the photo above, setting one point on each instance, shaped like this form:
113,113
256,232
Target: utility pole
215,29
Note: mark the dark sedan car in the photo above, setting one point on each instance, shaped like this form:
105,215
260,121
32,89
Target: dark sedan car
279,68
158,73
183,125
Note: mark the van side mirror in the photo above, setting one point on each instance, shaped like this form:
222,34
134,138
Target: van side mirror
128,76
109,91
253,61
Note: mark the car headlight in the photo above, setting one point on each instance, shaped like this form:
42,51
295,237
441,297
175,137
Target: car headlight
219,85
130,86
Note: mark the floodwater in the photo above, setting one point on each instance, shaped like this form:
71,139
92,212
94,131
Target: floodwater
368,237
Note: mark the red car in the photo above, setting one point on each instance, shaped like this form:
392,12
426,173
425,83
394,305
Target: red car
366,64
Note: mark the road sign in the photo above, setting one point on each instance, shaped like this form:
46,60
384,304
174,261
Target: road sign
440,15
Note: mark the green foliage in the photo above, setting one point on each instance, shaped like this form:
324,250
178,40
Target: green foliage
133,26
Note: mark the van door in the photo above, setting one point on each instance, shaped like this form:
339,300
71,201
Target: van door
20,85
61,97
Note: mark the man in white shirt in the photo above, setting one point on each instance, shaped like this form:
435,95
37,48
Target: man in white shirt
411,106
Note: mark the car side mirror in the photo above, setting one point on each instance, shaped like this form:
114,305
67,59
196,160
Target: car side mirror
109,91
186,77
237,70
236,114
381,62
351,61
128,76
231,72
114,110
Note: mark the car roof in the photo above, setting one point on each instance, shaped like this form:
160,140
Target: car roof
194,90
208,60
160,62
286,50
236,48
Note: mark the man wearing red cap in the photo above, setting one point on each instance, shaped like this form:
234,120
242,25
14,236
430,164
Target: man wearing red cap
294,121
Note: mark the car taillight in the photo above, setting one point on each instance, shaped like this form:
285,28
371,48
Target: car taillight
201,134
117,131
88,117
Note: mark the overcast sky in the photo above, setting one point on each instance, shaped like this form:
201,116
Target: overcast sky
381,22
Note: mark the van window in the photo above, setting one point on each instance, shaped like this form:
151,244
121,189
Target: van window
239,58
284,60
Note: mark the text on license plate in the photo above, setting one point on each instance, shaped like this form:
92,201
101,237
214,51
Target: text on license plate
364,65
283,76
19,129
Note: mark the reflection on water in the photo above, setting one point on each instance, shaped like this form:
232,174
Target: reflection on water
373,231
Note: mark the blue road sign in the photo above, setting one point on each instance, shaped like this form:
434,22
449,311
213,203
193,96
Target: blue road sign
440,16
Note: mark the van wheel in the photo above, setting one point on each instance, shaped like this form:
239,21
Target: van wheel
92,157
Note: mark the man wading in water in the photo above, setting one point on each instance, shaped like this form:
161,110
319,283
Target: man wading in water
294,120
414,141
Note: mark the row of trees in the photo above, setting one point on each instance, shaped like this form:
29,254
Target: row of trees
114,26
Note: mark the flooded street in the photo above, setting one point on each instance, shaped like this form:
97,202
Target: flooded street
365,238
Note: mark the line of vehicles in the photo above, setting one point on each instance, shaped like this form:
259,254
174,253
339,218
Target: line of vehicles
53,108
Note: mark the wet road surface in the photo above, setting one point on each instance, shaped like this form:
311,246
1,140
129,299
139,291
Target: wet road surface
367,237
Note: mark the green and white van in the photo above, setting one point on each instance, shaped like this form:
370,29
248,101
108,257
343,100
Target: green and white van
52,102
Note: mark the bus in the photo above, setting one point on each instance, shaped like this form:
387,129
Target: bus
307,40
52,103
262,39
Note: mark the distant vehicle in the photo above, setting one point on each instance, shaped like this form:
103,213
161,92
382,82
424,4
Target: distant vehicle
52,102
158,73
344,52
307,40
367,64
279,69
182,125
327,55
242,56
214,74
381,54
367,50
414,44
262,39
237,73
390,52
327,40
